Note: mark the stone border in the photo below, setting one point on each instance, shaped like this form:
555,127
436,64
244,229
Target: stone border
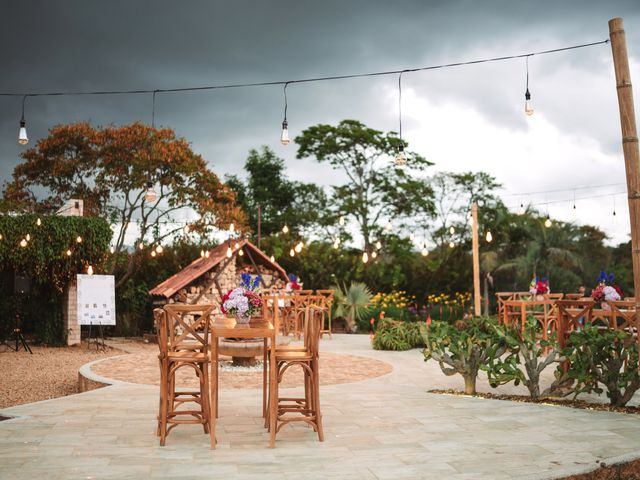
88,380
586,469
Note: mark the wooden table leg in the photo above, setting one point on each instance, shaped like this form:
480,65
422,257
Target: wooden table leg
273,399
265,349
213,389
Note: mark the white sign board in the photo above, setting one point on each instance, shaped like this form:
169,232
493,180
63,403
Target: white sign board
96,300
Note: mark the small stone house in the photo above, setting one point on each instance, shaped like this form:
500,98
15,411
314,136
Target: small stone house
207,279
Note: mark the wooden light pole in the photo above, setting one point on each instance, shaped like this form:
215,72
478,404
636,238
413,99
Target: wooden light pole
476,259
629,143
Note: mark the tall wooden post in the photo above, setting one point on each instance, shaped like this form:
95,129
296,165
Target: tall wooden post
259,225
629,144
476,259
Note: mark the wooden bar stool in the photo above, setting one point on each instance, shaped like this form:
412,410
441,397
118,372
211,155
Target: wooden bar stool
328,304
301,409
183,342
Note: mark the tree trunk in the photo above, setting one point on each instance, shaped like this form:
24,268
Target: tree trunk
470,383
486,297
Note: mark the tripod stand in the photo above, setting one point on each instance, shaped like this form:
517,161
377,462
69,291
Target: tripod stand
18,337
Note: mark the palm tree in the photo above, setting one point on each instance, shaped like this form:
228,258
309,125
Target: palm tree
352,303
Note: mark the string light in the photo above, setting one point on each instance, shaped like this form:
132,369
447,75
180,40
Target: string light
150,195
236,246
159,249
186,228
232,228
336,243
285,229
207,254
388,227
229,251
452,244
241,253
401,159
153,253
68,252
374,254
22,134
141,246
378,244
452,230
365,257
23,243
528,109
201,253
284,137
489,237
521,209
424,251
1,237
272,258
78,239
38,222
112,250
89,270
341,220
292,252
298,248
547,222
28,237
412,237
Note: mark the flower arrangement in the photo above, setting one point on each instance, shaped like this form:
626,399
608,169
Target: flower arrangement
243,301
293,283
607,290
539,286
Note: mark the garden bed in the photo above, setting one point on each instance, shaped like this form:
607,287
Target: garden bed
620,471
603,407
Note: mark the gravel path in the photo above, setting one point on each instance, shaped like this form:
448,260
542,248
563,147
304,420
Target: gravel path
48,373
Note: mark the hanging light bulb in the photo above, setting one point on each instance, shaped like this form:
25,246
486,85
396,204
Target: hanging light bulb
201,253
89,270
229,251
298,248
412,237
236,246
292,252
374,254
28,237
528,108
232,228
23,243
112,250
471,219
141,246
68,252
284,137
207,254
378,244
150,195
22,134
336,244
401,159
452,244
78,239
521,209
159,249
341,220
285,229
272,258
241,253
365,257
1,237
153,253
452,230
424,251
489,237
38,222
388,227
547,222
186,229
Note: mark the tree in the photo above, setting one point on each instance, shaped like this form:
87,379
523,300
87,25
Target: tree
109,167
377,190
298,205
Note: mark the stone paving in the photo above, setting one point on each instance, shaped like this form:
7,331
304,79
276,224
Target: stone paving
384,427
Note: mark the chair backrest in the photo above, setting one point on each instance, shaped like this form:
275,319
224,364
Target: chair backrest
271,309
570,315
573,296
553,296
625,311
312,325
303,292
187,327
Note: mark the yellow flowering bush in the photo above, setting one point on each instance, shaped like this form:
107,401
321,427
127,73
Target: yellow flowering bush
396,298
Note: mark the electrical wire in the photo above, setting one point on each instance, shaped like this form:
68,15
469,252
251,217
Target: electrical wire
302,80
568,189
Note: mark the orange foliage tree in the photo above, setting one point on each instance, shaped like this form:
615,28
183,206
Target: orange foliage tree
109,168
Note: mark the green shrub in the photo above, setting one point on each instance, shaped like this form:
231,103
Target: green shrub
396,335
463,348
604,357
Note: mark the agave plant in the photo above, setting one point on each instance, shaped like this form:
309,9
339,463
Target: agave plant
352,303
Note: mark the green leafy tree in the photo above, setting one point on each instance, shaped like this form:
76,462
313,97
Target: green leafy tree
376,190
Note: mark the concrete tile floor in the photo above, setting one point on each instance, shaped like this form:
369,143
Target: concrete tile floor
386,427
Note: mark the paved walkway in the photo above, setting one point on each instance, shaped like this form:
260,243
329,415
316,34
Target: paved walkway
385,427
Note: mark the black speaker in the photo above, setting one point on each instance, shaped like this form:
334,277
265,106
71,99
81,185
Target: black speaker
21,284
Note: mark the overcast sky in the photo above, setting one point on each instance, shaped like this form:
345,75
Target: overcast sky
467,118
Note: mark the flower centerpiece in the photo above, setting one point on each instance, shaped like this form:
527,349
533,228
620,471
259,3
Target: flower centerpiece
538,287
292,284
243,301
606,291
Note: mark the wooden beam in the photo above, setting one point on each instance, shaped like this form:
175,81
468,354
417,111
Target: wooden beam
629,144
476,259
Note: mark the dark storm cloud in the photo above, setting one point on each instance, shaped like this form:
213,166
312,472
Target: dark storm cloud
87,45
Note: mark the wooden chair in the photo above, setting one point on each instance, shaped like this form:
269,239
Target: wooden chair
625,311
501,297
183,342
328,305
573,296
307,408
572,314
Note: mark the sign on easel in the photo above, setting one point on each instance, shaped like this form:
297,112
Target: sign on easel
96,300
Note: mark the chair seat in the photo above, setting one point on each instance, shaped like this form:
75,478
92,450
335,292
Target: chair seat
188,357
293,356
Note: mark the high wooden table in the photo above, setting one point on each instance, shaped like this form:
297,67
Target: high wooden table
257,328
